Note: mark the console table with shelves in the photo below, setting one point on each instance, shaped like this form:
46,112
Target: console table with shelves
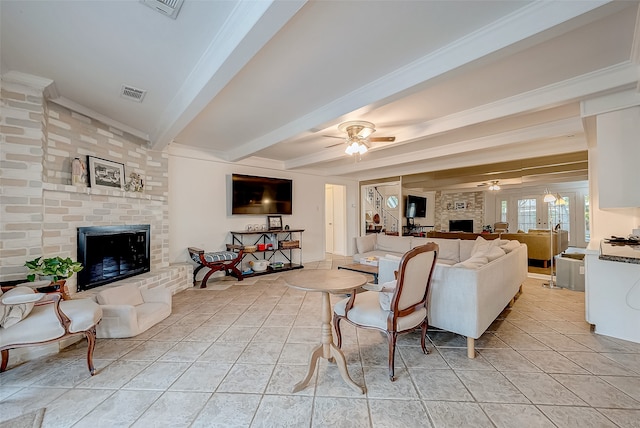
276,244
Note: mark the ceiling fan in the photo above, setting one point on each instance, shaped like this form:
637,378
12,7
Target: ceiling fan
358,136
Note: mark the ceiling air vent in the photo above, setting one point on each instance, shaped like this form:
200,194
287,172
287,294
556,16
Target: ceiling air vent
131,93
169,8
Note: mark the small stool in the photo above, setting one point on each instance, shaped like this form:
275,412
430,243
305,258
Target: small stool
215,261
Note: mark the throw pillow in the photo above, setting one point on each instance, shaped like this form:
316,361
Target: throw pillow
494,253
366,243
510,246
480,247
386,294
13,314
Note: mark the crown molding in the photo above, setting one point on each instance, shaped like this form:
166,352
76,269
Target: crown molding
46,86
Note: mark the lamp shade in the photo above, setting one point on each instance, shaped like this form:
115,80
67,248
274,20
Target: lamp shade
549,197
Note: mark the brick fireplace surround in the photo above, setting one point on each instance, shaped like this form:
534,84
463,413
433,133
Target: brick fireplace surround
41,210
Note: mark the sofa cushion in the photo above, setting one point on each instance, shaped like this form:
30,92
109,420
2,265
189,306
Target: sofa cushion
395,244
123,295
13,314
448,249
366,243
466,246
493,253
473,262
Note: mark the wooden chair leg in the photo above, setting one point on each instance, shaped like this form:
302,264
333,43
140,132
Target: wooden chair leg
423,337
393,336
5,360
91,344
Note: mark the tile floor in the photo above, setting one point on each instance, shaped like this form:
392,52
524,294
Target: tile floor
229,356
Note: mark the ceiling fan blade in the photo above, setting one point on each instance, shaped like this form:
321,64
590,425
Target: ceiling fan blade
333,145
390,139
333,136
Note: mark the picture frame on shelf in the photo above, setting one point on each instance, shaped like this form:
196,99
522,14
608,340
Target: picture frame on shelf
105,174
274,222
460,205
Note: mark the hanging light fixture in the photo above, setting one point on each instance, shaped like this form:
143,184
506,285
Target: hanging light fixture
494,186
549,197
560,200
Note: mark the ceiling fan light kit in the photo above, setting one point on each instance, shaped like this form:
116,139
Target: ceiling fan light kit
494,186
358,135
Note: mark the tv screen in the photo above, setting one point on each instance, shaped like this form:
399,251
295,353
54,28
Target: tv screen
260,195
416,206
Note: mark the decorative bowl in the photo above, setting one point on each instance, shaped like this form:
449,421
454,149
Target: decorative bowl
259,265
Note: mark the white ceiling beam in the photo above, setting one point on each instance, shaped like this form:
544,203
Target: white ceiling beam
527,21
619,76
249,27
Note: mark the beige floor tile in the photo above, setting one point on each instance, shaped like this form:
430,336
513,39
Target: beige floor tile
157,376
261,353
380,386
223,352
541,388
173,410
285,377
522,341
458,360
202,377
598,364
329,382
330,412
516,415
247,378
66,410
630,385
508,360
115,375
185,351
228,411
596,392
414,357
122,408
439,385
147,351
451,414
559,342
628,361
275,409
576,417
27,400
553,362
622,417
490,387
398,413
238,334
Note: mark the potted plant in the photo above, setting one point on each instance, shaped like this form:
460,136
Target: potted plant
55,268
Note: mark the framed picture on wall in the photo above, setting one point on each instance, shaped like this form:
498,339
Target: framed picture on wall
461,205
275,222
105,174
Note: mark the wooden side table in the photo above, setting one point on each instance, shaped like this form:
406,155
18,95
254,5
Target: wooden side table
325,282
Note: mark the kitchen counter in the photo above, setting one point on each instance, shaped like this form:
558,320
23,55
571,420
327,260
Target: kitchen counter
620,252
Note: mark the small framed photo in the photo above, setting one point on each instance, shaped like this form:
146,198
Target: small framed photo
461,205
275,222
105,174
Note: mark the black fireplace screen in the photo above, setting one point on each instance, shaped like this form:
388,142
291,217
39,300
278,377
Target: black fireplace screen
111,253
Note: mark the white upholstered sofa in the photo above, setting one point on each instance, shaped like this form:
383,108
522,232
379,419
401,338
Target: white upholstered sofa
129,310
471,285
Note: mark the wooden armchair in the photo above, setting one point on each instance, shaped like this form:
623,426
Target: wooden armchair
30,319
403,311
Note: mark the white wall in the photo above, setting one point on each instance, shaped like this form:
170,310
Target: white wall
199,198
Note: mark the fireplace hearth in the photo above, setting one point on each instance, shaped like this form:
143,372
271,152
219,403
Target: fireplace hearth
112,253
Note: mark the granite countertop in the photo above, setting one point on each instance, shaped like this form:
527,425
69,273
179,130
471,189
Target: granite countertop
620,252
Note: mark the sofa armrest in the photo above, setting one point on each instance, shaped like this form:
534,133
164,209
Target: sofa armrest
156,295
116,318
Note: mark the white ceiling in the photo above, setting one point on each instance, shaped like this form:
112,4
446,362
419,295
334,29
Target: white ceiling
458,83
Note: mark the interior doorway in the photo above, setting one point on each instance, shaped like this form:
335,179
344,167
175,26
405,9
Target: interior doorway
335,219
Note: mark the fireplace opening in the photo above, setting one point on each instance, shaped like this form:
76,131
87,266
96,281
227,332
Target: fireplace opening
460,225
112,253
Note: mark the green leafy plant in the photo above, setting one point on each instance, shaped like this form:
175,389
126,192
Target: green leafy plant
56,267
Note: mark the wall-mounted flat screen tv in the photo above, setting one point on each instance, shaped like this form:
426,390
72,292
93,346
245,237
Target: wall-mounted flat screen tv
261,195
416,206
